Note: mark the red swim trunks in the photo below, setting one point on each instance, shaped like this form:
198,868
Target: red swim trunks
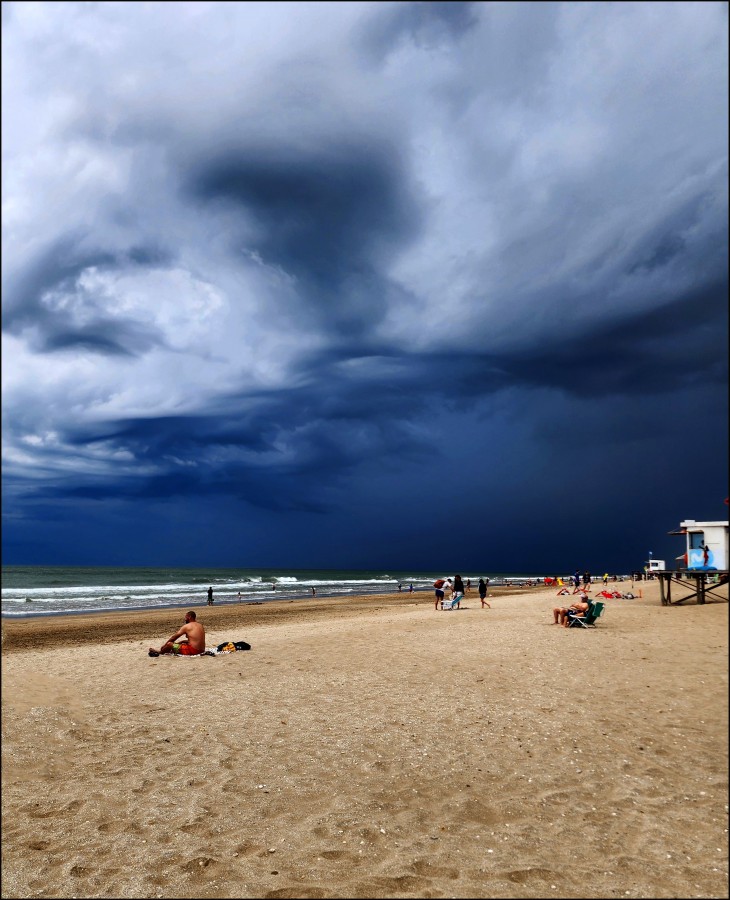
185,650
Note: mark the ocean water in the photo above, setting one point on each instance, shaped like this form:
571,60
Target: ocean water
53,590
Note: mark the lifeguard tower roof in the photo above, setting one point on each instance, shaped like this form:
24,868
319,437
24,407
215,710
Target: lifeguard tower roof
692,525
707,544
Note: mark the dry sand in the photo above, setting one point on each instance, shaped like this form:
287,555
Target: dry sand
370,748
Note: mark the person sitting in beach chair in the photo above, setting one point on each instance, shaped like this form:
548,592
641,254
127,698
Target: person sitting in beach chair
587,619
579,607
193,646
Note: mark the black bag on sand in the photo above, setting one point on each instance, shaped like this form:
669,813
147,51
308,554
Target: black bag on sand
239,645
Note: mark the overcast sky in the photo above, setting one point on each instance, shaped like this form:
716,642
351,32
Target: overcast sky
379,285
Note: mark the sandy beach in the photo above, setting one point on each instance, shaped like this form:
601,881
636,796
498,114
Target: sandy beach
370,747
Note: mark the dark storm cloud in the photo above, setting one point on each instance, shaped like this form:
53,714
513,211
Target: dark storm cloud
292,440
274,451
46,303
426,24
331,217
56,267
323,258
654,352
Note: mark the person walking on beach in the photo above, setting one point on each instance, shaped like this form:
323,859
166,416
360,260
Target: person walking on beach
439,586
314,591
457,592
210,596
483,593
194,644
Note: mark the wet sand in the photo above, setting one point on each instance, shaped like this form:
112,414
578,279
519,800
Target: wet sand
370,747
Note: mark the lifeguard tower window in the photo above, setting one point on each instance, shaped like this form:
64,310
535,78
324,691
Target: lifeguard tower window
696,540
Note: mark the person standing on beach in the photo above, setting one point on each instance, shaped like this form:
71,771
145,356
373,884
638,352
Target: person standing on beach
194,644
439,586
483,593
314,592
210,596
458,592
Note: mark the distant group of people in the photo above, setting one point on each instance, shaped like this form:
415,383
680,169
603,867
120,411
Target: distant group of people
189,639
456,588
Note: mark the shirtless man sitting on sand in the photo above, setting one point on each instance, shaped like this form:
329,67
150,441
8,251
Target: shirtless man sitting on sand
194,644
581,607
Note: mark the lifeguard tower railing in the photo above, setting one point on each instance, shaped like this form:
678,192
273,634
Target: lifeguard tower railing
707,584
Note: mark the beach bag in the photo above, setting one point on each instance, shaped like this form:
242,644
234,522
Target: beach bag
232,646
439,583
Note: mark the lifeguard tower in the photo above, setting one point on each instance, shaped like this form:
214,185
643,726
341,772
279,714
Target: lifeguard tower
705,557
707,546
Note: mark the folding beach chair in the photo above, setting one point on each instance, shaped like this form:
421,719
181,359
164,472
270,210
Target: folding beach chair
594,612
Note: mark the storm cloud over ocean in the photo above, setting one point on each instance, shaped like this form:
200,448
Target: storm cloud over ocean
363,284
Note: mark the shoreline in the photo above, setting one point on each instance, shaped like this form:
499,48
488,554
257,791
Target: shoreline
192,603
27,610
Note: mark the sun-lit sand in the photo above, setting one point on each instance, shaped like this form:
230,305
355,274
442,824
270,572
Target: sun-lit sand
370,747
